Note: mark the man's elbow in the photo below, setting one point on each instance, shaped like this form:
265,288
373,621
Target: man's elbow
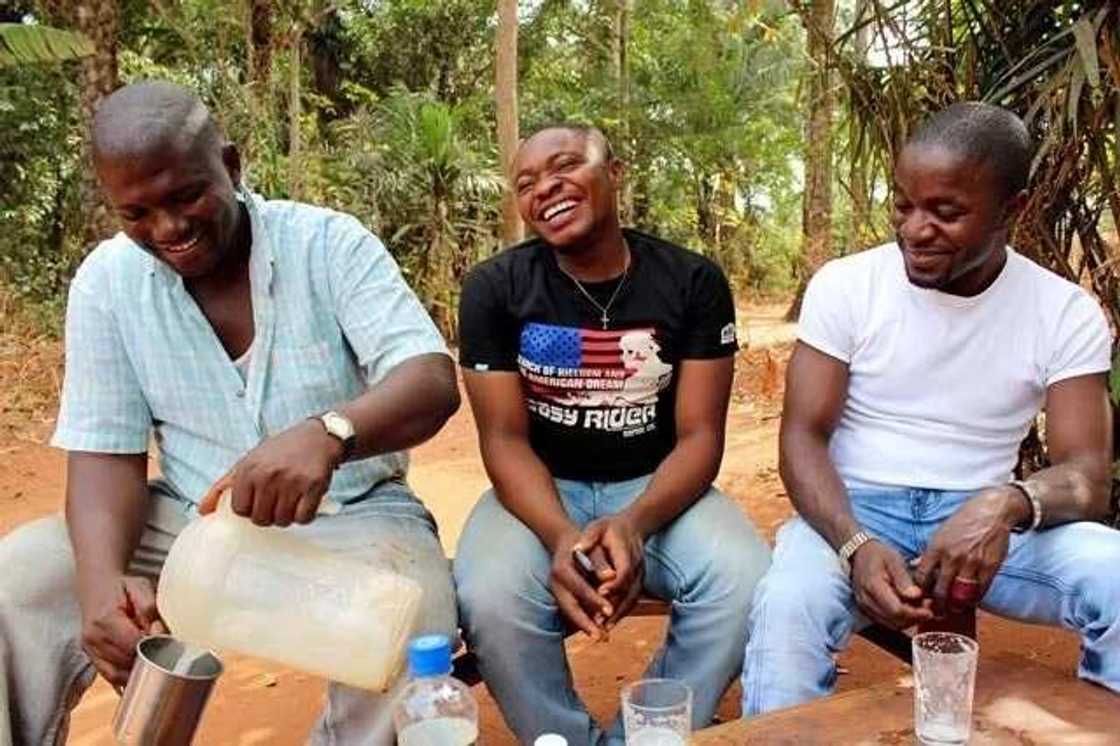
445,399
1100,505
1092,488
795,442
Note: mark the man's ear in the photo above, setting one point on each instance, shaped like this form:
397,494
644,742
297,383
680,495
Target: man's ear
1013,207
231,159
616,170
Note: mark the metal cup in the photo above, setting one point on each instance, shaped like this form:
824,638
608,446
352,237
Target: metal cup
166,693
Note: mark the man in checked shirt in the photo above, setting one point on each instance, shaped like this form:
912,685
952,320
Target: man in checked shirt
272,345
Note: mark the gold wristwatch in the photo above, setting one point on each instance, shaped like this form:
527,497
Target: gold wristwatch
848,550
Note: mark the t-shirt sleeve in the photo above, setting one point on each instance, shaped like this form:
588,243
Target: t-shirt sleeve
1083,342
825,323
488,333
711,317
381,318
103,408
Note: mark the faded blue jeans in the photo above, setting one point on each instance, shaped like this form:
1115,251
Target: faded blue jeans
804,611
706,563
44,671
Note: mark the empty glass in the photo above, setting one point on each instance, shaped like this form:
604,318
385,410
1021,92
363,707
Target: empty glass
944,676
657,712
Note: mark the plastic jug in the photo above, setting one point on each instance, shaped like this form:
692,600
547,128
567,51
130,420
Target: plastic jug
232,585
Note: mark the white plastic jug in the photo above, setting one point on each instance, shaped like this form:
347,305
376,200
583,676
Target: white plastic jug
229,584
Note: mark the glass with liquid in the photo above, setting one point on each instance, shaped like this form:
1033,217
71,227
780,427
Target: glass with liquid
944,679
657,712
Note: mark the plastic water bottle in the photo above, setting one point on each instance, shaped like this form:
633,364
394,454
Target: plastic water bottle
434,709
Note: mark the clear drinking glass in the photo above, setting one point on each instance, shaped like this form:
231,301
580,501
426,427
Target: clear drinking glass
944,676
657,712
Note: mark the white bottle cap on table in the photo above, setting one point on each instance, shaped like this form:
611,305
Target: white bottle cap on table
550,739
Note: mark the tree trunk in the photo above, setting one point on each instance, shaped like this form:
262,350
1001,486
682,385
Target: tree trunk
816,221
99,21
619,40
859,179
505,88
260,45
295,168
260,42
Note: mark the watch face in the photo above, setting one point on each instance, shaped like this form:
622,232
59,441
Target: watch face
338,426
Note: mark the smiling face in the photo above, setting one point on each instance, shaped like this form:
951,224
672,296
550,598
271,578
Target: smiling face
951,219
566,186
178,202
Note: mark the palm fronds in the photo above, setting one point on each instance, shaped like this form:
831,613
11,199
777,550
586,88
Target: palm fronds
1056,64
27,44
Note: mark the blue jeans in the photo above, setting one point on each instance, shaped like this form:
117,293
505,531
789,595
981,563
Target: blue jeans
804,611
706,562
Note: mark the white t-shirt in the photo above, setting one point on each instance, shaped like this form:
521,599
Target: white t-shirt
942,389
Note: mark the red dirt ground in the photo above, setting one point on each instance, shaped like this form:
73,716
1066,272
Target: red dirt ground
260,703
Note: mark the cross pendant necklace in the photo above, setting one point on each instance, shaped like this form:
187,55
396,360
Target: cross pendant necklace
605,310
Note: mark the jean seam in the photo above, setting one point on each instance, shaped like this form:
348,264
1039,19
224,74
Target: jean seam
1069,595
752,695
672,568
1016,573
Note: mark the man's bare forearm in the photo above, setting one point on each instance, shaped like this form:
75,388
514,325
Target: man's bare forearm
814,486
679,480
524,486
406,407
106,507
1076,490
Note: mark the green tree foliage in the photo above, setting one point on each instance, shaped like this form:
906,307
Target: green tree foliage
38,167
385,108
28,44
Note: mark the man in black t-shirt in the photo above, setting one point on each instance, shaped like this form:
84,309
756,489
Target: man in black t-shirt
598,362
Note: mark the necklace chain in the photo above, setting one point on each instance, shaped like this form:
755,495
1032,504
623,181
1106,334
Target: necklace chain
605,310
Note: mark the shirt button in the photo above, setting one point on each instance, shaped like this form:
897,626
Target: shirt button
241,393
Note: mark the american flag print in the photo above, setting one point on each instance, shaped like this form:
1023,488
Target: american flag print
568,369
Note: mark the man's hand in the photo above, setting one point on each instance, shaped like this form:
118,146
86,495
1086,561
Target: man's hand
971,545
283,479
114,618
883,587
623,545
577,598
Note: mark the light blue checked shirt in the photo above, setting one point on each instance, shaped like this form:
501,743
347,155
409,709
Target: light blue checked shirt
332,316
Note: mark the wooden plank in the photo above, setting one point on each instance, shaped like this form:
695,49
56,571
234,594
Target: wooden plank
1017,702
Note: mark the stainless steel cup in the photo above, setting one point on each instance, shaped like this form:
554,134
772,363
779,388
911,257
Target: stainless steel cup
166,693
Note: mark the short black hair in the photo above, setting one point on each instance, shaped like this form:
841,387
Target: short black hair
147,116
587,130
986,134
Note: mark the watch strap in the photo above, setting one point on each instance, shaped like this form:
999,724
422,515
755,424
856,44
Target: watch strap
348,440
848,549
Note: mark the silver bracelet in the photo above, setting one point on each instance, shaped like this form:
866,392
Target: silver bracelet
1029,491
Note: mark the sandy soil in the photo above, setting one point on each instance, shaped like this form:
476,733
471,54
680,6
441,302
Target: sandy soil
259,703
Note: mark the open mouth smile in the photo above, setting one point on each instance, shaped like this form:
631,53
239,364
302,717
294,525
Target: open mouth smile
182,247
560,208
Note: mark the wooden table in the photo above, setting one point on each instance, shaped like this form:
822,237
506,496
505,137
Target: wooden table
1017,702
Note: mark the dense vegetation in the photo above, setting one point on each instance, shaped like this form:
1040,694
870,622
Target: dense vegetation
386,110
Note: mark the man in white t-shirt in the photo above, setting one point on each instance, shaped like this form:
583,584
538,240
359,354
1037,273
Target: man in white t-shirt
919,368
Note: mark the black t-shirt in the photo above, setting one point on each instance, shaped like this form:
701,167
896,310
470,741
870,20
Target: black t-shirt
600,401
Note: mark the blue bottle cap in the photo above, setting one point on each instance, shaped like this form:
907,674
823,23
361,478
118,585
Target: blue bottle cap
429,655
